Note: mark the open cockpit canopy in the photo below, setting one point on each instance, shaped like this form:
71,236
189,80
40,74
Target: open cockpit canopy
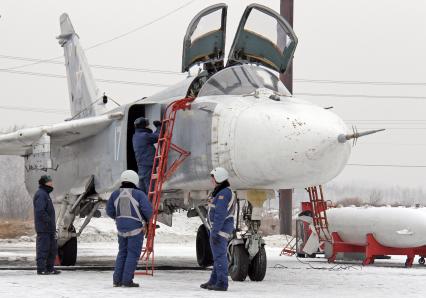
263,37
204,41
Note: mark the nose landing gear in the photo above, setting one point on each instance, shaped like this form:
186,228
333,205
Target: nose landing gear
246,249
246,253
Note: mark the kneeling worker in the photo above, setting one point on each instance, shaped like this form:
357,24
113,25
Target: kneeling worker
143,145
221,210
130,208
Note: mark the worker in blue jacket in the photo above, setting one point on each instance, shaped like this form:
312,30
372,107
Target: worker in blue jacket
131,210
45,226
143,146
220,217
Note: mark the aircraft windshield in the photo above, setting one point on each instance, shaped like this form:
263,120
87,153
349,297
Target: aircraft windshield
241,80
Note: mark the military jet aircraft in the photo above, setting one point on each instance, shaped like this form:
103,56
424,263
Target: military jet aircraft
242,119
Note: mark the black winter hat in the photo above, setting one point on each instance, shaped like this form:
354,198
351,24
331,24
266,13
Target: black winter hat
141,122
44,179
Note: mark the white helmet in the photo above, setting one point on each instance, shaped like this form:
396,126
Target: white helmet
129,176
219,174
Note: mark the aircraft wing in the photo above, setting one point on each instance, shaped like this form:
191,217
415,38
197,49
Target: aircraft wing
21,142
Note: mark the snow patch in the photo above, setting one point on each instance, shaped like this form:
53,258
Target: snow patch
184,230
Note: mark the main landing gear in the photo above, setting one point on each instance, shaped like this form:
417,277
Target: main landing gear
84,205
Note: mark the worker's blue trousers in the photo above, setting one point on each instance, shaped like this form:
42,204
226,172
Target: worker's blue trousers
144,174
46,251
219,276
129,251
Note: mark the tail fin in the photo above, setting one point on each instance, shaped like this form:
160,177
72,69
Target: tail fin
83,92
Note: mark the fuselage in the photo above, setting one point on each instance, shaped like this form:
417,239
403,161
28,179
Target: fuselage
264,137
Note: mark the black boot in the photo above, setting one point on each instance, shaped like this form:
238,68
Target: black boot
205,285
116,284
54,271
217,288
40,272
131,285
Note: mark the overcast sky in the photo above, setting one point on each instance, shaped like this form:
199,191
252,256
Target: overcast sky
344,40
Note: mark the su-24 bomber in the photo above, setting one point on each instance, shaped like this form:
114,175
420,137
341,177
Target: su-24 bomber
242,119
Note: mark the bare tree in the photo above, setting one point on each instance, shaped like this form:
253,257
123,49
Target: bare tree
15,203
345,202
376,197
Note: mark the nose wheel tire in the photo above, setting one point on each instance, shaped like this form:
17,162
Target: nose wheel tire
204,252
257,267
239,263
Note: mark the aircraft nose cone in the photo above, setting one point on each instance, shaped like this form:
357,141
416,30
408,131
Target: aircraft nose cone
288,145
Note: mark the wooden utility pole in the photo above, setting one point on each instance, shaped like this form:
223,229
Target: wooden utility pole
286,10
286,195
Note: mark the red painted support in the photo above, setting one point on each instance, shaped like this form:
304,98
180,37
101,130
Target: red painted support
373,249
340,246
421,251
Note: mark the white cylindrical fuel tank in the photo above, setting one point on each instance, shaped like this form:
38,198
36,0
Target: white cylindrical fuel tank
391,226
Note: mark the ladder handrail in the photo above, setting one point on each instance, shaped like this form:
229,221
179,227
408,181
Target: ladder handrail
319,214
160,173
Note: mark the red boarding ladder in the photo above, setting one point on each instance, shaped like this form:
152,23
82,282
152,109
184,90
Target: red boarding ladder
319,216
160,173
318,207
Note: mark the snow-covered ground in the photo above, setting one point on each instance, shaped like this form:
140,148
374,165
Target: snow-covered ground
285,277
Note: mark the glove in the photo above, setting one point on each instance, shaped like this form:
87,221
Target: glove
157,123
